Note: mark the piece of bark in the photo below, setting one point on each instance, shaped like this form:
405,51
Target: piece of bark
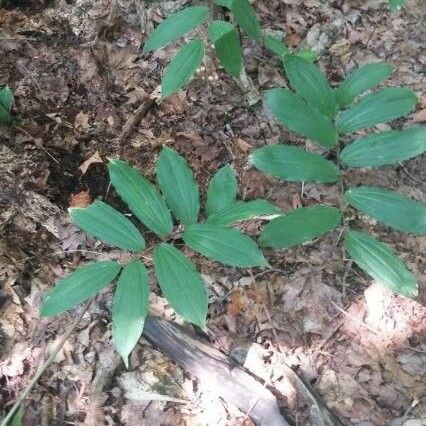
214,371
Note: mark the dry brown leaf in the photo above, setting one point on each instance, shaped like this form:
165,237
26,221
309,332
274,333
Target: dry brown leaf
81,199
236,304
420,117
95,158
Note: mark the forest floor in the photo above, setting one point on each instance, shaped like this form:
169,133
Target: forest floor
77,74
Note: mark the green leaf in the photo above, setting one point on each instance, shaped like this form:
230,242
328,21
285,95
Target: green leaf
247,18
226,245
227,46
362,79
395,5
294,164
307,54
6,101
380,107
17,418
178,185
383,148
275,45
142,197
182,67
217,29
222,190
130,307
224,3
243,210
310,83
389,207
85,282
293,112
181,284
104,222
299,226
380,262
175,26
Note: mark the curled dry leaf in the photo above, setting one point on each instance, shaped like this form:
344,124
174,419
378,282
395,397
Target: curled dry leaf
95,158
81,199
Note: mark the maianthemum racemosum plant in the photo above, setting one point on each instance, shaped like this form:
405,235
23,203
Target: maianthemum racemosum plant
222,34
177,277
324,115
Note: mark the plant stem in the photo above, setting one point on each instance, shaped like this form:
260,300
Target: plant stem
43,367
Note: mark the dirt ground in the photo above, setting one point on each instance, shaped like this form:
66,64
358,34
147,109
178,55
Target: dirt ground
78,75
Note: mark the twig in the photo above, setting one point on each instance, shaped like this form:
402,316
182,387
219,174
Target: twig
344,278
137,116
324,417
409,174
43,368
355,319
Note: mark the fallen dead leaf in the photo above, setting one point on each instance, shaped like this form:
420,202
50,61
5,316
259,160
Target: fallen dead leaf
81,122
81,199
95,158
420,117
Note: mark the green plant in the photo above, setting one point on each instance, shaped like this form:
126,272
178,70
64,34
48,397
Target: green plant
222,34
324,115
395,5
6,101
176,275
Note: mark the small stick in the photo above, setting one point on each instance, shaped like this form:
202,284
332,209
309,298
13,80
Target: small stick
137,116
43,368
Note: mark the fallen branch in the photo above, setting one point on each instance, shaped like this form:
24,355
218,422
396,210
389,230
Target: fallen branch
214,371
137,116
43,368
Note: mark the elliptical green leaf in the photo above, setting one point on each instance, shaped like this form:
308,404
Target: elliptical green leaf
77,287
362,79
244,210
247,18
275,45
226,245
292,111
178,185
292,163
389,207
379,261
181,284
182,67
224,3
227,46
130,307
299,226
222,190
104,222
384,148
175,26
380,107
310,83
142,197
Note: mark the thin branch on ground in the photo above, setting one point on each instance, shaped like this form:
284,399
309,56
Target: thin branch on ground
137,116
44,367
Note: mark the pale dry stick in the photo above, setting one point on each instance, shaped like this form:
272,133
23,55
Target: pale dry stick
44,367
403,168
324,417
344,278
38,145
355,319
